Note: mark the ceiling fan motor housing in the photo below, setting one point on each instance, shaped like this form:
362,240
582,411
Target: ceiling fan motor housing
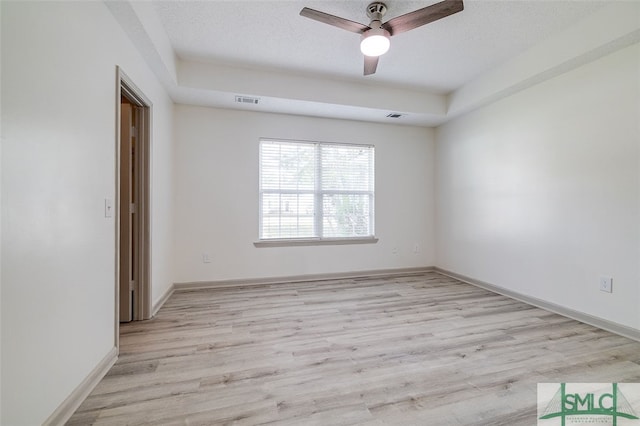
376,11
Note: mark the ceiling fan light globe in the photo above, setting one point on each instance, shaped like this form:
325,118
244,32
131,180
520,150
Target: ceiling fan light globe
375,42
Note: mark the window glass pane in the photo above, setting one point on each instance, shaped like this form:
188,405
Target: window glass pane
287,216
347,168
346,215
287,166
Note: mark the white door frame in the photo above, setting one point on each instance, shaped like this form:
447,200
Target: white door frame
142,291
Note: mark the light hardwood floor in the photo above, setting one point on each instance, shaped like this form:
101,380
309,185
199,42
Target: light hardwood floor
419,349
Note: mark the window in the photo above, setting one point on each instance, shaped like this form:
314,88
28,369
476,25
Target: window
311,190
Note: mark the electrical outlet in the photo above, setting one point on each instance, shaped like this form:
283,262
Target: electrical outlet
394,250
206,258
416,248
606,284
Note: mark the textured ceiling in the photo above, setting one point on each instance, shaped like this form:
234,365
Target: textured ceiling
438,57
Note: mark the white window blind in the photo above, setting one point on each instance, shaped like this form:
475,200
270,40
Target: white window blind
316,190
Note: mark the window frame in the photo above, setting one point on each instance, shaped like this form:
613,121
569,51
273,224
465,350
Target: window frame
318,199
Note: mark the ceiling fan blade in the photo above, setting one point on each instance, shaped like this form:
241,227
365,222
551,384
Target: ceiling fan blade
423,16
370,64
336,21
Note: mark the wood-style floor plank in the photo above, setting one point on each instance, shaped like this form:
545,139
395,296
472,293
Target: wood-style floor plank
419,349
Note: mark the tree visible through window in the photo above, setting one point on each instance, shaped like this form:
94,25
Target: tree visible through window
316,190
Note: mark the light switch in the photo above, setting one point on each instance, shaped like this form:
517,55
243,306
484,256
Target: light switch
108,207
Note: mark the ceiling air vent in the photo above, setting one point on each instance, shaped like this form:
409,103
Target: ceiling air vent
246,100
394,115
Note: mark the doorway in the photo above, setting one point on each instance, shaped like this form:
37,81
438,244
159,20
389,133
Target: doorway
133,296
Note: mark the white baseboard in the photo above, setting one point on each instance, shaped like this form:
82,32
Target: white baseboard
167,294
69,406
604,324
299,278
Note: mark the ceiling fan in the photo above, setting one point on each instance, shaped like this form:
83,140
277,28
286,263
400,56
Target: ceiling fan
375,36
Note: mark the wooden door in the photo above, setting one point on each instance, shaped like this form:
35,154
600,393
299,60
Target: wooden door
128,231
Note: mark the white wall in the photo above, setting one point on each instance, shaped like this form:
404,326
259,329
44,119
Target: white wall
539,193
58,164
162,181
1,138
216,196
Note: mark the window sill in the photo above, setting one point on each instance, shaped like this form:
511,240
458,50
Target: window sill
314,242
